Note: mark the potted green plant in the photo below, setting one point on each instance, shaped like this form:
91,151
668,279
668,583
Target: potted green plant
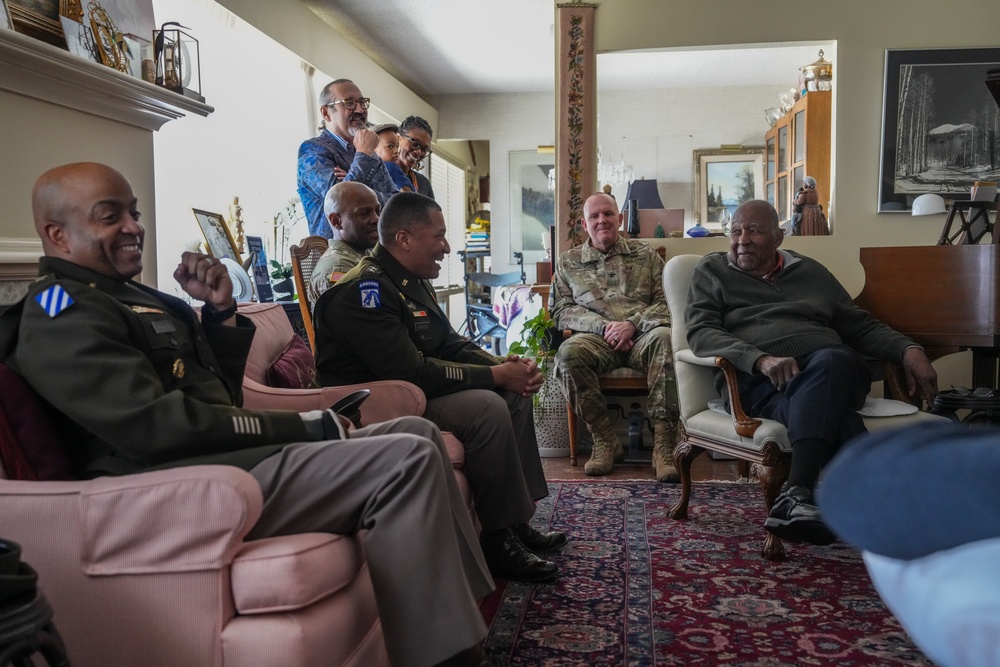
538,342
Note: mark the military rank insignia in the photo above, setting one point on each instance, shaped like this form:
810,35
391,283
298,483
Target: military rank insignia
371,294
54,300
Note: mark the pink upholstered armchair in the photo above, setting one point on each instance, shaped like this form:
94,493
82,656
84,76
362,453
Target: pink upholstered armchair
153,569
279,357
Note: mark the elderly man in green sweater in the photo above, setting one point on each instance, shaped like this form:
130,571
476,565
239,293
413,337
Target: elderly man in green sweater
799,343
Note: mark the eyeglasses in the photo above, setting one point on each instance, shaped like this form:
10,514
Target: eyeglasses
416,145
978,392
350,103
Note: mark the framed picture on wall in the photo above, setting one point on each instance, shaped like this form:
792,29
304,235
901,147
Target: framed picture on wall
218,238
532,204
940,125
724,179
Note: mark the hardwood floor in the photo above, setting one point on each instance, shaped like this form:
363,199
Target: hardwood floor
704,468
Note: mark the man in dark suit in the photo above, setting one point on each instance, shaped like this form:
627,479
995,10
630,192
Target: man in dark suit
382,321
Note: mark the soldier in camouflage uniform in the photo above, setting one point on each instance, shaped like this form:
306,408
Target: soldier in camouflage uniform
352,209
610,290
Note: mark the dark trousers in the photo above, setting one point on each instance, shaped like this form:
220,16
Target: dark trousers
820,403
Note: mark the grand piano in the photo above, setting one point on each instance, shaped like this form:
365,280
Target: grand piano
944,297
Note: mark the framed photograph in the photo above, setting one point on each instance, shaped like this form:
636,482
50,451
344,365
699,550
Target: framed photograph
218,238
724,179
939,125
39,19
261,271
532,203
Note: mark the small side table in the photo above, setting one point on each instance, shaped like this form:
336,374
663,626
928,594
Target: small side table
984,410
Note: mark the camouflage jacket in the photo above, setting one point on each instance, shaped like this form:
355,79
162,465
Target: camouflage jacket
339,258
591,288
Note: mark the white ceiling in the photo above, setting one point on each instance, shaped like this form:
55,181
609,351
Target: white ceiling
449,47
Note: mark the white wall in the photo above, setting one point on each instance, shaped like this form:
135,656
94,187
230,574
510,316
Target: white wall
510,123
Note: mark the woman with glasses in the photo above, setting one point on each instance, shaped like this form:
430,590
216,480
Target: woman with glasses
414,146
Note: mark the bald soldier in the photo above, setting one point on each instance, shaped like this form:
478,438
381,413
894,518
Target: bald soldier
140,384
352,210
610,292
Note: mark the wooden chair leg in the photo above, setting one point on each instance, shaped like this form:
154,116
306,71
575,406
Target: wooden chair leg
684,454
771,478
571,421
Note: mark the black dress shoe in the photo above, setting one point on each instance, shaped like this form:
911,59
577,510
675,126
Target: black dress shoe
507,558
537,541
796,518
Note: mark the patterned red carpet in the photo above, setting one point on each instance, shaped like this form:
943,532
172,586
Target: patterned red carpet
641,589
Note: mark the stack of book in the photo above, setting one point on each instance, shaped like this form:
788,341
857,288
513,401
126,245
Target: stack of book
477,241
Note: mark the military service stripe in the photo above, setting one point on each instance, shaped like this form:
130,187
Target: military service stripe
244,425
454,373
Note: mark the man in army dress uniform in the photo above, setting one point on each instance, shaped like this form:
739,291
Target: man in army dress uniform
352,209
610,290
382,321
140,384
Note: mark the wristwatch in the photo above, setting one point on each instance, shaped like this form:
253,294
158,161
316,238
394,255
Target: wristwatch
212,316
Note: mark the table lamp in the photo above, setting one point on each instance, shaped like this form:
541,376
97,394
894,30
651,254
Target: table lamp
640,194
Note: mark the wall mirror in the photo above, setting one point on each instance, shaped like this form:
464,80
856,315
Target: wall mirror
660,110
532,204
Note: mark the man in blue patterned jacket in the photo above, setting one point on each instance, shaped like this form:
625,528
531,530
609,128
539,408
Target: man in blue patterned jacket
345,143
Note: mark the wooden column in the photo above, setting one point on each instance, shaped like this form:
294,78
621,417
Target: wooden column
576,119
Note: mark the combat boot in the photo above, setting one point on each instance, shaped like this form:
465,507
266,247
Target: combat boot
606,449
664,439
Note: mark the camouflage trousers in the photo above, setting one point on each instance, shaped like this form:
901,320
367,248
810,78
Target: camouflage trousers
583,357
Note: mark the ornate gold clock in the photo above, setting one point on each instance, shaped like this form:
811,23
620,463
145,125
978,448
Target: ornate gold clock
111,44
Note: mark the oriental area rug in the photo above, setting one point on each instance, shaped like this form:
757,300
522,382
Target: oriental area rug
638,588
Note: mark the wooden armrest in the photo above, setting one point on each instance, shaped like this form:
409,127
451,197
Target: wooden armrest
745,426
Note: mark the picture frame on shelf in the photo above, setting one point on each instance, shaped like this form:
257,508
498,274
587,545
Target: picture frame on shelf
39,19
724,178
260,268
935,111
5,22
218,239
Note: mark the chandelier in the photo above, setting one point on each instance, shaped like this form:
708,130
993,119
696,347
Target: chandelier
614,173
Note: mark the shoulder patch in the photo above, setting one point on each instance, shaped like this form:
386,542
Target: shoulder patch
54,300
371,294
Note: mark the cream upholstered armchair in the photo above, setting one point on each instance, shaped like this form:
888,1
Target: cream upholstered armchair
762,443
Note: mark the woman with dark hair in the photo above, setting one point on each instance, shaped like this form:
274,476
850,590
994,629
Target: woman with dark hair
414,145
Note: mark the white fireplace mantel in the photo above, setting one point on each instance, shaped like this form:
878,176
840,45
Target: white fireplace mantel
33,68
37,70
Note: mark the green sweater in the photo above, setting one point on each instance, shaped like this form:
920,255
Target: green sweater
742,318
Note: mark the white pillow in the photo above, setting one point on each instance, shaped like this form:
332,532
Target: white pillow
873,407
